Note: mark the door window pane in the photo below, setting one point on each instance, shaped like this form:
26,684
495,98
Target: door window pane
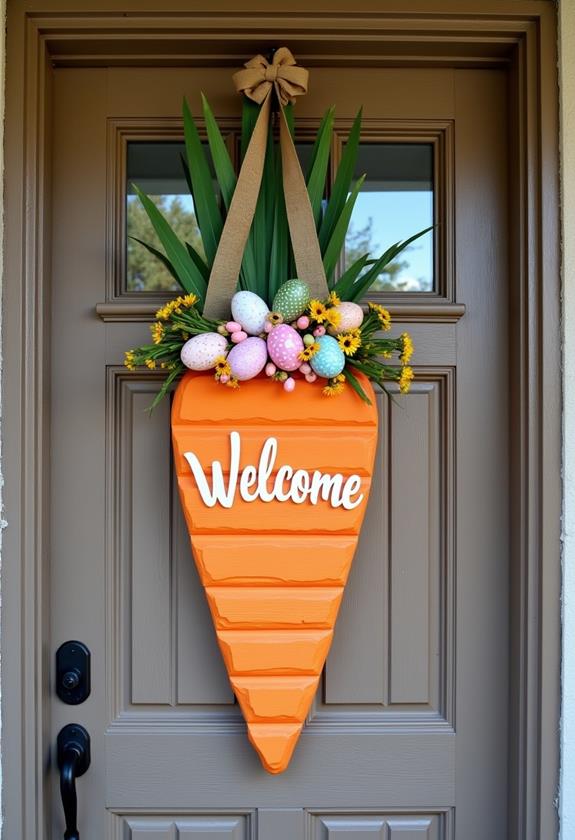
156,168
395,202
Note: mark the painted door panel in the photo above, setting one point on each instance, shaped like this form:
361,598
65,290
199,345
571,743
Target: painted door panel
408,734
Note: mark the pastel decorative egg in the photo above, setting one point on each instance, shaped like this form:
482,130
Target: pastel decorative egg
292,299
284,346
248,358
329,359
201,351
351,316
249,310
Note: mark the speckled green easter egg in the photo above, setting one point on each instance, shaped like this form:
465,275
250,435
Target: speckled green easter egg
292,299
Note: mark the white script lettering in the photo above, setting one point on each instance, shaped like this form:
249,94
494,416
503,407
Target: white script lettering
254,482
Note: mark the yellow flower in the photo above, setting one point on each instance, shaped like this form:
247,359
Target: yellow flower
308,351
405,379
157,331
275,318
333,389
176,305
333,317
130,360
334,299
222,367
407,350
317,310
340,377
151,363
382,314
232,383
349,343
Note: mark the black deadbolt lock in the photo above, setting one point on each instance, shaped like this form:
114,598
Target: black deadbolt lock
73,673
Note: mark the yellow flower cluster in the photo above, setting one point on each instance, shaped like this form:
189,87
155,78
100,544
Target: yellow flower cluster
308,351
157,331
151,364
222,367
382,314
350,342
334,299
321,313
407,351
335,386
176,305
405,379
130,360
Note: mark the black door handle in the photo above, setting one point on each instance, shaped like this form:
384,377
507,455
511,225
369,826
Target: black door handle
73,761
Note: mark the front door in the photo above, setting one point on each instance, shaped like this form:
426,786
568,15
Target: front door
408,736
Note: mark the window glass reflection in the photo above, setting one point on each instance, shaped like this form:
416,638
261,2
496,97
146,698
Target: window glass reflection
395,202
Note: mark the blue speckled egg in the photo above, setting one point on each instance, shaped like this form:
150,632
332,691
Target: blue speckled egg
329,359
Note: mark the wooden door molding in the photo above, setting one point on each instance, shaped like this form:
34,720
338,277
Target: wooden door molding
516,34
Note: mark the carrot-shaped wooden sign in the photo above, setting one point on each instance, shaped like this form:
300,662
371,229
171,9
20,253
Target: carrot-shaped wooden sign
275,428
274,491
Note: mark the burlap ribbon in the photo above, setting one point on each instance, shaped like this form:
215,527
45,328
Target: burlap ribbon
258,81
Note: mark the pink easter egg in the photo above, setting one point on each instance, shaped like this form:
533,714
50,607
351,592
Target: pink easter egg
284,346
248,358
319,331
303,322
305,368
310,377
233,326
270,369
289,384
239,335
224,378
351,316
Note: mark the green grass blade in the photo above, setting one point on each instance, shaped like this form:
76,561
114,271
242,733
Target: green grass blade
341,185
279,254
199,261
220,155
319,163
351,379
159,256
337,239
345,283
206,207
186,271
250,113
366,280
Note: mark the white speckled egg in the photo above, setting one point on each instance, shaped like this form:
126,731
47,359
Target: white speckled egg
250,310
201,351
292,299
284,346
351,316
329,359
248,358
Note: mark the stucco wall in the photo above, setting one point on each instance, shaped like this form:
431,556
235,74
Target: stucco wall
567,140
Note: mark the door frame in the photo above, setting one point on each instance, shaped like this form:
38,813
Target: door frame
519,35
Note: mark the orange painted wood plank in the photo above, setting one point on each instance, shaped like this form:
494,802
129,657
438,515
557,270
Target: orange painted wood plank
274,743
276,517
284,607
239,560
275,699
309,449
274,651
263,402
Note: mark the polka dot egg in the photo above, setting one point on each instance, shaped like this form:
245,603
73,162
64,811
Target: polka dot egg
284,346
329,359
201,351
248,358
292,299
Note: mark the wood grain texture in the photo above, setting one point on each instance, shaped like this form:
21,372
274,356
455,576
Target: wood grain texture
283,631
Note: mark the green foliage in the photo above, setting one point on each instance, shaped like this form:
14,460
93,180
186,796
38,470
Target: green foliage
268,259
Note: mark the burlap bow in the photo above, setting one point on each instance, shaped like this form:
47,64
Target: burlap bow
257,79
257,82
